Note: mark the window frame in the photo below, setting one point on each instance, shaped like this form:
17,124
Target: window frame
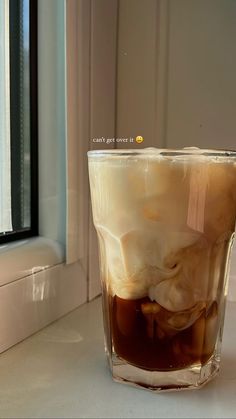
42,278
32,231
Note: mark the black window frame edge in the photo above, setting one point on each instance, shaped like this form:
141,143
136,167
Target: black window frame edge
33,70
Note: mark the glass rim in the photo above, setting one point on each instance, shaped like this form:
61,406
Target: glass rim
165,152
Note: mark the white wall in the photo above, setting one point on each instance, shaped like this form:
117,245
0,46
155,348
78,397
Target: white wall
201,68
136,69
176,75
176,72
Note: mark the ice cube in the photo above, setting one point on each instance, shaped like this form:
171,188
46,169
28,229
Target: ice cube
156,324
125,315
149,311
184,319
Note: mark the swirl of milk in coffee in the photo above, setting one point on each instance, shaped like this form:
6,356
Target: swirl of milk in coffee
163,223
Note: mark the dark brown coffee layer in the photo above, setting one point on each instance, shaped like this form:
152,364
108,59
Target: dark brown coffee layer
152,338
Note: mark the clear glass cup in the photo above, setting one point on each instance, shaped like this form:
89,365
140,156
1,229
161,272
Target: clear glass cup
165,221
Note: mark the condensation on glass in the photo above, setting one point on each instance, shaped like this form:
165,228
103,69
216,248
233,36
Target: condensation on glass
165,221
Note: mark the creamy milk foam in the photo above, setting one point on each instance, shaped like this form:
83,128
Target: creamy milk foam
163,223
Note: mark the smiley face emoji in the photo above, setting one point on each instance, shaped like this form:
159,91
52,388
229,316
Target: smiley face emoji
139,139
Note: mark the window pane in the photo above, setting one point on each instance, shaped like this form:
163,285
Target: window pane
17,148
26,116
5,158
20,113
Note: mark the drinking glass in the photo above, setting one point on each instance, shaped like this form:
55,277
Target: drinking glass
165,222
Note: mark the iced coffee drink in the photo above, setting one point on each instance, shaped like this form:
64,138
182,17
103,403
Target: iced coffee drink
165,222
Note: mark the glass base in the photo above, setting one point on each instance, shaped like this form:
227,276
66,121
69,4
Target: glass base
190,378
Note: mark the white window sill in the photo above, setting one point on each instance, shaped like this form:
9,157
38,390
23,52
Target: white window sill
61,372
36,288
26,257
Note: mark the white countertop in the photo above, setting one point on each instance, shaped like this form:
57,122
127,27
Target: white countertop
62,372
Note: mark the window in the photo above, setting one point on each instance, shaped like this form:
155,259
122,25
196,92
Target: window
45,277
18,120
